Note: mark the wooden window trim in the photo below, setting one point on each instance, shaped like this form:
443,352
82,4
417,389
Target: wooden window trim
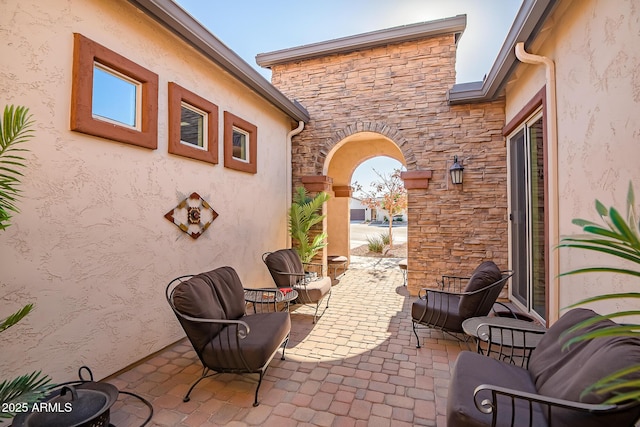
177,95
231,121
85,53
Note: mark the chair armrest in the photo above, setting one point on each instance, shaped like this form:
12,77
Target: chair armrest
242,333
423,293
490,406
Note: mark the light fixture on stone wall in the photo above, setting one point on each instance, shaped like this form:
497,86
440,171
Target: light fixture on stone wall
456,171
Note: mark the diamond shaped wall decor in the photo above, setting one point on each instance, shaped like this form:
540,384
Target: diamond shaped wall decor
193,215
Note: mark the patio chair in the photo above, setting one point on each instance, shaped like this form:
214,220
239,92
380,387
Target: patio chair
211,309
288,271
457,299
553,387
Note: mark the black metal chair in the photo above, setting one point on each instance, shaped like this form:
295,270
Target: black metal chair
457,299
553,386
288,271
211,309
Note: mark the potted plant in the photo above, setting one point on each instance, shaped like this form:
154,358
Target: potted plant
617,237
303,215
15,129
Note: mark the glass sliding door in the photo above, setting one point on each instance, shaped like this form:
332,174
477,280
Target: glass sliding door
527,215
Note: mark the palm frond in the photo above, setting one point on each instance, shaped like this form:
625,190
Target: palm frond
303,215
26,388
15,129
618,238
15,317
624,389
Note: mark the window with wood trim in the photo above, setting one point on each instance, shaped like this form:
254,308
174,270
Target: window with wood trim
240,144
193,125
113,97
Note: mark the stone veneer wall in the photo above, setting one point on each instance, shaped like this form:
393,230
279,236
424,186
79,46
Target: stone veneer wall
400,90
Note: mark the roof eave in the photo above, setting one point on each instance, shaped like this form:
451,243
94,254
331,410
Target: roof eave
403,33
525,28
181,23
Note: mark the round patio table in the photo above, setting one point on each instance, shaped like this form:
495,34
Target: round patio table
269,297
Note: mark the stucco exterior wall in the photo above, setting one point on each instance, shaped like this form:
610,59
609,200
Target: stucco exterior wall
91,247
398,91
594,44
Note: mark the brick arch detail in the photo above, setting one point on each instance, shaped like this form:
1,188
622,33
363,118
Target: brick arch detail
394,135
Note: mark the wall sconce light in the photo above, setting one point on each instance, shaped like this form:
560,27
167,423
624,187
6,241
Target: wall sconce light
456,171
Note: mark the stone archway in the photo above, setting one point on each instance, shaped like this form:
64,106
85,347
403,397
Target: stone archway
397,89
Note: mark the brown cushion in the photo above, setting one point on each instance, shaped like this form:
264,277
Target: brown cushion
313,291
196,298
439,310
284,261
565,374
484,275
267,332
471,370
228,287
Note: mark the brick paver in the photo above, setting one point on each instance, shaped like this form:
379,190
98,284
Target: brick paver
358,365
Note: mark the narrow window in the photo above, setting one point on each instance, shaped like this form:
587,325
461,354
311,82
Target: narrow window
193,125
240,144
113,97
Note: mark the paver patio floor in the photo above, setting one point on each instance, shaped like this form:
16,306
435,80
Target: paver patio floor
357,366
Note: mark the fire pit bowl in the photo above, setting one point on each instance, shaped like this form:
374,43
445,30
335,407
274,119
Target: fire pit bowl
85,405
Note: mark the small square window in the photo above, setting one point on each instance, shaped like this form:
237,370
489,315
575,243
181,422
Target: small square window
240,144
113,97
193,125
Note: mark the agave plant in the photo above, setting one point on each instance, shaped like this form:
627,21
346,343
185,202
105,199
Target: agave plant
303,215
618,237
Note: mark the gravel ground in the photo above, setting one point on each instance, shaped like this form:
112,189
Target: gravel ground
399,251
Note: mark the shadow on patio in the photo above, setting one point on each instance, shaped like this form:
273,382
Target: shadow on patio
358,366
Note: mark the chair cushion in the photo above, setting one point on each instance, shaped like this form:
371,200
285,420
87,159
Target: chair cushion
267,332
484,275
197,298
439,310
471,370
565,374
229,289
287,261
313,291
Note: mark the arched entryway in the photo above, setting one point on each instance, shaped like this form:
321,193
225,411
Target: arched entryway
341,162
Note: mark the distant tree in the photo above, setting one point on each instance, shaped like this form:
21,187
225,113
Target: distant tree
387,193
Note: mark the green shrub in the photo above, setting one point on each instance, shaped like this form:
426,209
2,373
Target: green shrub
375,244
385,238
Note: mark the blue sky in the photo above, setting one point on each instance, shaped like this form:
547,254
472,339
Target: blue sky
249,27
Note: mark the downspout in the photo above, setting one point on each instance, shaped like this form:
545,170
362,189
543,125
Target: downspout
552,175
289,170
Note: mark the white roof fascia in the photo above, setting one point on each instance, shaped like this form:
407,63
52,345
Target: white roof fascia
525,28
403,33
181,23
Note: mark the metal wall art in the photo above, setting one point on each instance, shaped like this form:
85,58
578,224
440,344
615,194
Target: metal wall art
193,215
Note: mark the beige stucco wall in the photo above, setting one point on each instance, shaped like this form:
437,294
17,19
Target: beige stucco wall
594,45
91,247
